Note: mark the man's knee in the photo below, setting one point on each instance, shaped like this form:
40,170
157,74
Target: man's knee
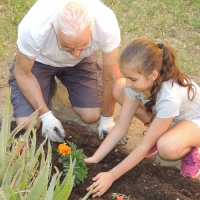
27,121
88,115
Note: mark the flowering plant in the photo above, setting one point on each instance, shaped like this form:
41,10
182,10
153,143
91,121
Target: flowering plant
64,149
80,170
119,196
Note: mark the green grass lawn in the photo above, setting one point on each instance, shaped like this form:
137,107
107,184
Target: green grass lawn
176,22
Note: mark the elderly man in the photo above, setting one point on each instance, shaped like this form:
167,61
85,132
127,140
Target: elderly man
60,39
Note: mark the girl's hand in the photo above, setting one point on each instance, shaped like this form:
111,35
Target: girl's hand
102,183
90,160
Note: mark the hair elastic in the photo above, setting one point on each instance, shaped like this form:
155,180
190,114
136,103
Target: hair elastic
161,45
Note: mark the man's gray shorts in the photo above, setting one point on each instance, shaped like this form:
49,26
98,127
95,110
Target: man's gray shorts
83,82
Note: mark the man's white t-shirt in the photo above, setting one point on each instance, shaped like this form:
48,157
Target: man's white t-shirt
37,39
172,101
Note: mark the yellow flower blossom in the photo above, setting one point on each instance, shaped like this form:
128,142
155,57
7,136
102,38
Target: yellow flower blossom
64,149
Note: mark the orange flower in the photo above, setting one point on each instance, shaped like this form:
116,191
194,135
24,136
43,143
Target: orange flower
64,149
120,197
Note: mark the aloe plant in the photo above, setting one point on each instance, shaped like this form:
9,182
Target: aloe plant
25,172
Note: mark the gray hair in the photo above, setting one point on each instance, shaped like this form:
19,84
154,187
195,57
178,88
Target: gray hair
72,19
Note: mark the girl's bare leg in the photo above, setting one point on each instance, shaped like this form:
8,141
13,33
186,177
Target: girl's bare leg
178,140
182,141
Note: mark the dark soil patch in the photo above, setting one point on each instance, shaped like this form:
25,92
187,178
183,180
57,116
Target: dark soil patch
147,181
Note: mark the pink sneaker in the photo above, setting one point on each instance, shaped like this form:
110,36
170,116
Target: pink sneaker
152,152
190,166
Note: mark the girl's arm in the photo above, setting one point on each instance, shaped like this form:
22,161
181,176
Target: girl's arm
104,180
128,110
156,130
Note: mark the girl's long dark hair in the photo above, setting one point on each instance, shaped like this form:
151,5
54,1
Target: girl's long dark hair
161,57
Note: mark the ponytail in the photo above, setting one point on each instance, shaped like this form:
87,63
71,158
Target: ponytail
160,57
170,70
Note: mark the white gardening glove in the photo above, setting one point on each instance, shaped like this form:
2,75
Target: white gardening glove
52,128
105,126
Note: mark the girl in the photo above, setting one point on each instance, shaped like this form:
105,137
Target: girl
160,95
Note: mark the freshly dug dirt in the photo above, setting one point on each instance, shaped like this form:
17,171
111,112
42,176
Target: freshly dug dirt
147,181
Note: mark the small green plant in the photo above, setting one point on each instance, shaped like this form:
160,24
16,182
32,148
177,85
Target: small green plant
119,196
80,169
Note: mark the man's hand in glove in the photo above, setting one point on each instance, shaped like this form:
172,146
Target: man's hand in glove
105,126
52,128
